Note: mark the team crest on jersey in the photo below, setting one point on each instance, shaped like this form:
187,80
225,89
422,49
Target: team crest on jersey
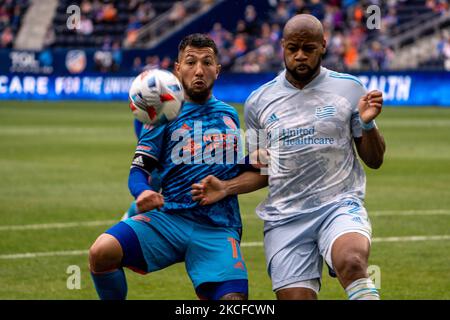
325,112
229,122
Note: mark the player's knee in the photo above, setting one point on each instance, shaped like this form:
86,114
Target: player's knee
105,254
352,266
234,296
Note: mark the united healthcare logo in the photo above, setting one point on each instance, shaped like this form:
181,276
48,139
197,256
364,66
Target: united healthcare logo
325,112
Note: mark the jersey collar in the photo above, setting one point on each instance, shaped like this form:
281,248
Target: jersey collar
313,83
209,102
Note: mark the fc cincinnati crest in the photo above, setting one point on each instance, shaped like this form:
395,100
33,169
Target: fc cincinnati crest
76,61
229,122
325,112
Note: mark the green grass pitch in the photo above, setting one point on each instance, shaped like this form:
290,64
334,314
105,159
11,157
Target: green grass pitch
68,162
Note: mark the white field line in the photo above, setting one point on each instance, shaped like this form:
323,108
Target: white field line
43,254
411,238
96,223
244,244
61,225
443,212
431,212
383,239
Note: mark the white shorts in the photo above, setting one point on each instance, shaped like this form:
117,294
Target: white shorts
295,249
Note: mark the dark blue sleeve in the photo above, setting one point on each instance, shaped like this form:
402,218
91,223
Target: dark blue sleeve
138,182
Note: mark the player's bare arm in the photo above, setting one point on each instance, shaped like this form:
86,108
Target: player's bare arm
259,158
212,189
371,145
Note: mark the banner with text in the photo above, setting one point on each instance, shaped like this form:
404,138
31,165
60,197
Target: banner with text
399,89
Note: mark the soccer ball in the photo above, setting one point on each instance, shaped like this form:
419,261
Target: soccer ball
156,97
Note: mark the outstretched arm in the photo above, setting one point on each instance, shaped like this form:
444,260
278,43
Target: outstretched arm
211,189
371,145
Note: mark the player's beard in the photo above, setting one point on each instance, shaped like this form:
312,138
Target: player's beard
199,97
304,77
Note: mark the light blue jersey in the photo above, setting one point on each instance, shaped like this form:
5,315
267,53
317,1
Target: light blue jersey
311,131
316,182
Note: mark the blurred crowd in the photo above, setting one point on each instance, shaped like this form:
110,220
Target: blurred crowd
11,14
106,18
143,13
254,45
439,6
344,28
151,62
251,46
443,49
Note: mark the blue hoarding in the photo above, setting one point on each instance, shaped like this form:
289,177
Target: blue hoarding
407,89
42,87
106,74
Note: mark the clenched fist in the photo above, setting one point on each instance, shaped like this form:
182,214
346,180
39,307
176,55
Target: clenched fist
209,190
370,105
149,200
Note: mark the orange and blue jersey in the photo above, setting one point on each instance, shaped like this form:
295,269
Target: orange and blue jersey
203,140
196,144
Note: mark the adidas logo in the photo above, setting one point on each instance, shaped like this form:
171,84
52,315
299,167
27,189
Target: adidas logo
239,265
138,161
357,219
272,118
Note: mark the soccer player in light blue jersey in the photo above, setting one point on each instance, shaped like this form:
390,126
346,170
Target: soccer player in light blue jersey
172,227
314,119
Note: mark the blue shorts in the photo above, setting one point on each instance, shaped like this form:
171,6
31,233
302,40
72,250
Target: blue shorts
155,240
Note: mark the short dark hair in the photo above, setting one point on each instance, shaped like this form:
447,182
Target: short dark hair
198,40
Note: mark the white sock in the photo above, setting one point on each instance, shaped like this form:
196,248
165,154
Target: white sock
362,289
